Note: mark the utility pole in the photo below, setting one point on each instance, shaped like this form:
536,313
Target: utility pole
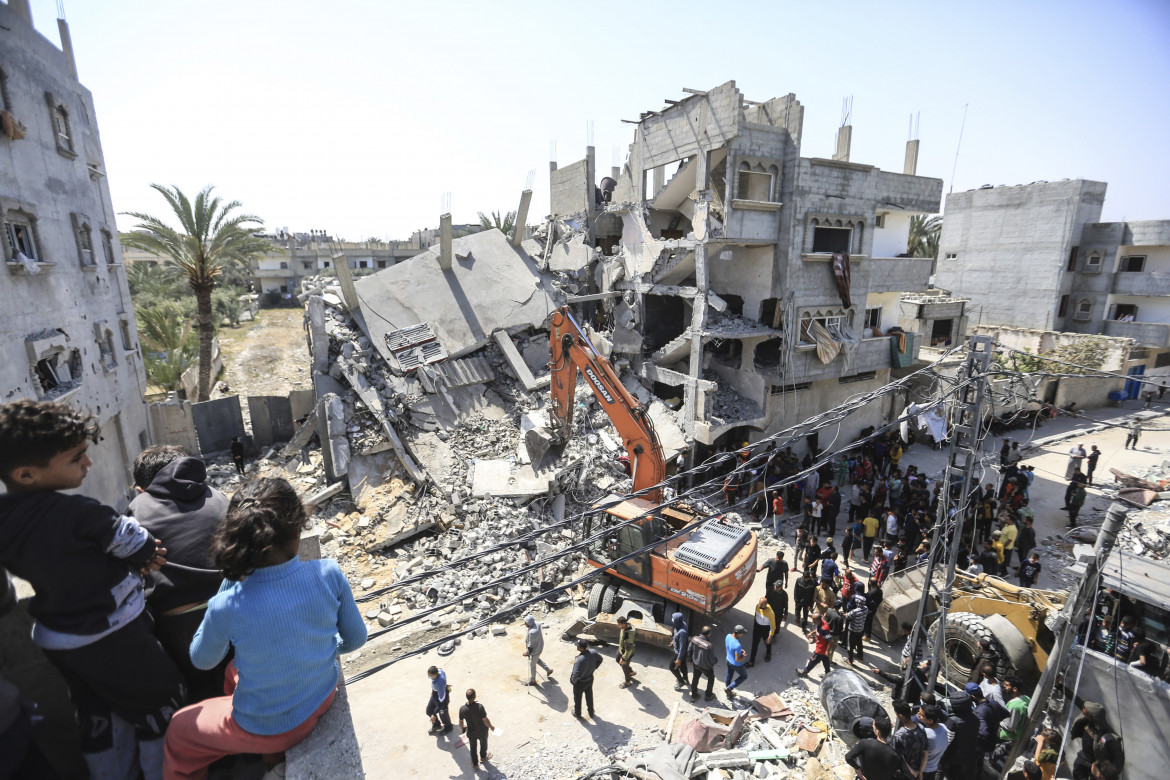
1065,627
966,421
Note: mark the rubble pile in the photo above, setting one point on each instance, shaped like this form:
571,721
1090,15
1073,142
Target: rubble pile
792,741
1146,531
461,423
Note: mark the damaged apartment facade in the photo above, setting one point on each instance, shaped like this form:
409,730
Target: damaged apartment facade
68,327
710,254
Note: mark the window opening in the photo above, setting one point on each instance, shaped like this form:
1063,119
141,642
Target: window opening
755,185
767,355
864,376
1125,312
1063,310
108,247
951,256
21,240
1072,258
873,318
831,239
85,244
58,373
1093,262
1133,264
786,389
1084,309
125,327
283,266
835,325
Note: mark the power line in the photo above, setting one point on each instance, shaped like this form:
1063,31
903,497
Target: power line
826,418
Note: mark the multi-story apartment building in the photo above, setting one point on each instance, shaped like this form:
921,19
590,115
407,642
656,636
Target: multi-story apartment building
720,239
67,332
1036,256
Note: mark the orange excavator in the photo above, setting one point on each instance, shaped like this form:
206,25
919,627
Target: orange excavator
709,568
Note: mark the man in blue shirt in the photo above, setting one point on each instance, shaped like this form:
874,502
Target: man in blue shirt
736,656
438,708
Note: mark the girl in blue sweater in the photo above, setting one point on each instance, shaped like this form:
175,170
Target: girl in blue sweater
287,619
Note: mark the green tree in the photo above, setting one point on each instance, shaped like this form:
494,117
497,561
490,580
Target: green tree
924,234
504,225
169,346
153,280
227,305
210,238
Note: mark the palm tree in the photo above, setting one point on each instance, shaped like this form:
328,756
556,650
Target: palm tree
924,234
210,239
151,280
504,225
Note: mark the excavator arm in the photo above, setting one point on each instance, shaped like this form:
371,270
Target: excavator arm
572,351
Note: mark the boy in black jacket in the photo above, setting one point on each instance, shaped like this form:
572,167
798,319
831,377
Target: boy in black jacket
86,563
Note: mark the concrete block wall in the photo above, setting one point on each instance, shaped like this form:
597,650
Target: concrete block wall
1009,238
571,189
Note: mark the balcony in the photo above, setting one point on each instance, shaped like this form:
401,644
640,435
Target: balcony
898,274
872,355
1146,334
1145,283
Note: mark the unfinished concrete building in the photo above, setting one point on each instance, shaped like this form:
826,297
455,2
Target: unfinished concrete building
68,330
1081,275
715,247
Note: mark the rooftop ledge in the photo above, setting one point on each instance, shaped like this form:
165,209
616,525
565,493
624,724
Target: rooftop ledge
755,205
826,257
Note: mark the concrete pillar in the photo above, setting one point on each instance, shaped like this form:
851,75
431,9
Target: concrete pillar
521,217
844,139
21,9
657,182
67,46
445,242
911,166
615,172
345,278
591,185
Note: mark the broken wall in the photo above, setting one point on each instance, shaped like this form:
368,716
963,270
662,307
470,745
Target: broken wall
173,423
217,422
571,189
272,419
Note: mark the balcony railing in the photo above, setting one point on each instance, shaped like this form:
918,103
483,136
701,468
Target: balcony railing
1146,334
1144,283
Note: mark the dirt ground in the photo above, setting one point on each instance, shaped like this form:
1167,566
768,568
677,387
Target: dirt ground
267,356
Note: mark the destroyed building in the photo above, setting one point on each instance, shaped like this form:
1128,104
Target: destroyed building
68,329
711,255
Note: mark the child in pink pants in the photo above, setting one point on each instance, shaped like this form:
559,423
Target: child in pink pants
288,620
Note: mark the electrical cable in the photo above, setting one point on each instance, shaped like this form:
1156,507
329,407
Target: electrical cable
842,412
765,455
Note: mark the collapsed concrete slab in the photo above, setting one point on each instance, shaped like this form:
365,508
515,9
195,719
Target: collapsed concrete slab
504,478
491,285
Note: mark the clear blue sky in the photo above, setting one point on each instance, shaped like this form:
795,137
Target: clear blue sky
356,117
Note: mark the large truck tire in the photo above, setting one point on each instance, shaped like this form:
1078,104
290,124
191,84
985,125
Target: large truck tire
961,649
596,594
611,599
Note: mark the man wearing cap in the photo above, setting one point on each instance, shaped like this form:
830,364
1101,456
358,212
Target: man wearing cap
736,656
582,677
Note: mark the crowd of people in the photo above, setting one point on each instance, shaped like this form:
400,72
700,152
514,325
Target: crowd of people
187,629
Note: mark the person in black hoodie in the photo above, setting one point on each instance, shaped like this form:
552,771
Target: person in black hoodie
175,504
961,759
86,562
